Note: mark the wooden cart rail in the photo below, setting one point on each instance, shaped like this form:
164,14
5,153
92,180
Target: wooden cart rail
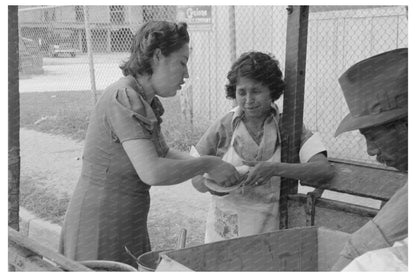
26,254
354,179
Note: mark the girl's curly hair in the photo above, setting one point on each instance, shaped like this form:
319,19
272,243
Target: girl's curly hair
258,66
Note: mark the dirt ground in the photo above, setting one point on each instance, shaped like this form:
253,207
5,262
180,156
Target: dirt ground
56,161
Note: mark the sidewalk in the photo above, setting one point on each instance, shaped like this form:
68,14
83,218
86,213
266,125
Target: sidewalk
39,230
56,162
55,159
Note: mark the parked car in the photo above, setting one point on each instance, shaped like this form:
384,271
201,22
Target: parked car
62,48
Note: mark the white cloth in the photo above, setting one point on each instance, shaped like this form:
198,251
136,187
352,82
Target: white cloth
254,210
393,258
238,214
312,146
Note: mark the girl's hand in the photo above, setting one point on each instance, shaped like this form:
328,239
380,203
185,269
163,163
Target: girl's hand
259,173
224,174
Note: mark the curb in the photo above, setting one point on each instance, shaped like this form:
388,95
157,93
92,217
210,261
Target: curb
40,230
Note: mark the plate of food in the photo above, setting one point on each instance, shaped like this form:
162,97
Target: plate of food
210,183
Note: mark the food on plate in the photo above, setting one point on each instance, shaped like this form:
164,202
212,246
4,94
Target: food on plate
243,170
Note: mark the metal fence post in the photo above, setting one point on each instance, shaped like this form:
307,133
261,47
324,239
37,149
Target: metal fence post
90,54
233,38
14,119
233,43
292,119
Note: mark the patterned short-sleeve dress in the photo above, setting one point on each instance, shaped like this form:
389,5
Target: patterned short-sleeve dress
110,204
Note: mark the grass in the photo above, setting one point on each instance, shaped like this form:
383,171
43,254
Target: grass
67,113
163,225
61,113
36,197
164,230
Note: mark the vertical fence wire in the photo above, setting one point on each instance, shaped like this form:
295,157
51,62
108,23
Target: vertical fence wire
90,54
339,37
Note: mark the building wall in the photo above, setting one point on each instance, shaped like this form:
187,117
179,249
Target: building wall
64,14
99,14
29,17
135,17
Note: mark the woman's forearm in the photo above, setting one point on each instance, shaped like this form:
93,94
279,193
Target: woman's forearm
178,155
157,171
172,171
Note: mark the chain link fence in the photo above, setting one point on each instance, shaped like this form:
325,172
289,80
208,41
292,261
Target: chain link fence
55,42
339,37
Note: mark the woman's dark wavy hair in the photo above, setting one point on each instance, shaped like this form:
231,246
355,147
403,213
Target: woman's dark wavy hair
258,66
167,36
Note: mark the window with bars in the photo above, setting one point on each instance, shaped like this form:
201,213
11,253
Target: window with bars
79,13
49,15
117,14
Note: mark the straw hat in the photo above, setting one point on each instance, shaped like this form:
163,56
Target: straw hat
375,90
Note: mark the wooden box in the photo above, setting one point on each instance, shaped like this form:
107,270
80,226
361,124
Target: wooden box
297,249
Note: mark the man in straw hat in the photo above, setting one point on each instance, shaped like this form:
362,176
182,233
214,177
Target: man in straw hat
375,90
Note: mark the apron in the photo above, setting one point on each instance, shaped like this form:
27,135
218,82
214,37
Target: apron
246,211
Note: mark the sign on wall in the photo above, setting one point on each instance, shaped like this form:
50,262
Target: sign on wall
197,17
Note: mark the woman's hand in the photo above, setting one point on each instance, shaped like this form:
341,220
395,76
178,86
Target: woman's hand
260,173
223,173
198,183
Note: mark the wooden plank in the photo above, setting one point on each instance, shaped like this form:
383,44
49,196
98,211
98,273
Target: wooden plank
336,205
376,183
60,260
285,250
329,8
328,251
346,207
329,218
25,260
292,118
